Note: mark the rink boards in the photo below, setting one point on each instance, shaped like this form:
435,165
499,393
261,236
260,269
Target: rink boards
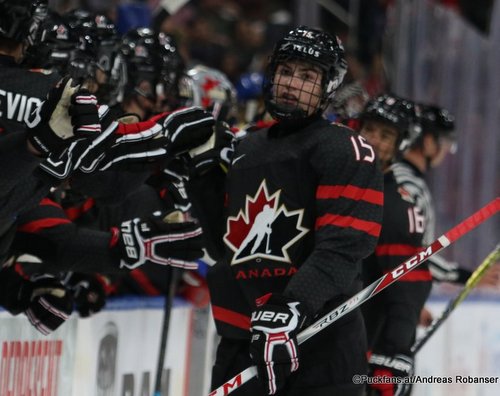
116,351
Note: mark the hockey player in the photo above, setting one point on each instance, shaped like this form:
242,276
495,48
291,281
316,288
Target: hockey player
388,123
44,299
22,152
438,138
321,191
141,50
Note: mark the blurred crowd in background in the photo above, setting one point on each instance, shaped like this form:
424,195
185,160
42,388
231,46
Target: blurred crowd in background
236,36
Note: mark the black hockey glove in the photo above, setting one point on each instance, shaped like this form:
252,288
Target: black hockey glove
137,146
49,303
66,114
172,185
274,348
88,291
166,239
218,150
58,167
86,115
390,374
187,128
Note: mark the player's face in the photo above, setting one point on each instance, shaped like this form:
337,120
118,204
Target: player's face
382,137
298,85
147,91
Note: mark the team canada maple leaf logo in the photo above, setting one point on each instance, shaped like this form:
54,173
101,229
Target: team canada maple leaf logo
264,228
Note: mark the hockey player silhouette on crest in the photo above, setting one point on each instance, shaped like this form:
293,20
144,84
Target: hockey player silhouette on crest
261,228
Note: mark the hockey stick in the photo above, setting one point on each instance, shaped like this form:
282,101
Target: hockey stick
171,280
376,287
473,280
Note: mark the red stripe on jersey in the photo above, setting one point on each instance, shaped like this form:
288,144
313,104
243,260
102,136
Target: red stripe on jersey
417,275
396,250
76,212
351,192
231,317
49,202
370,227
141,278
38,225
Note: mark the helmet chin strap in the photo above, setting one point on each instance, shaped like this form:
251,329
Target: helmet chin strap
283,113
291,113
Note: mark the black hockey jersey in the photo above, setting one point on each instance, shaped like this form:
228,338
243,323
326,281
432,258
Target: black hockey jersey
413,181
303,209
392,316
21,91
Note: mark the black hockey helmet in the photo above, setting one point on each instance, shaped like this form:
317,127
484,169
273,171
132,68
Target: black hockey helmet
20,19
140,51
95,48
105,44
399,112
312,46
82,26
53,46
437,120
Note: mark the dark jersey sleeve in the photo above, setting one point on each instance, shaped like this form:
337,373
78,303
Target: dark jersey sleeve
47,233
21,91
207,196
19,188
395,311
108,187
349,201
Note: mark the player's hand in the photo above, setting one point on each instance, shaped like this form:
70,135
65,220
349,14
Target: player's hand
426,317
164,238
137,146
218,150
68,113
274,347
398,365
88,292
48,302
186,129
43,298
171,182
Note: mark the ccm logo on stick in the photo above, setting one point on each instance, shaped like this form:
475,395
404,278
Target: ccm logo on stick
415,260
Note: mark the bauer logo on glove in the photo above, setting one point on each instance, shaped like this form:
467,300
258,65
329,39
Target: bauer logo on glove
166,239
